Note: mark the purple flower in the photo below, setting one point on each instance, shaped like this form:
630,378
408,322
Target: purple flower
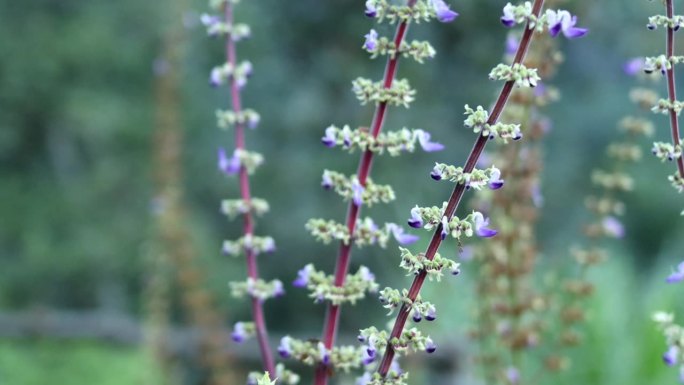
394,367
613,227
366,274
400,235
511,44
209,20
563,21
416,220
416,316
671,356
430,346
229,166
633,66
327,182
278,289
303,276
436,173
371,40
445,227
268,245
512,375
239,333
495,181
357,192
330,138
253,121
677,275
371,9
323,354
431,314
365,379
456,269
285,349
367,358
425,143
216,77
443,12
508,18
481,224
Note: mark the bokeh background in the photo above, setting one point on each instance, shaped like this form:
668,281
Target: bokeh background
77,192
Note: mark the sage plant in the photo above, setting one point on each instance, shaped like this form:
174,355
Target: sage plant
510,309
441,219
359,189
242,163
670,151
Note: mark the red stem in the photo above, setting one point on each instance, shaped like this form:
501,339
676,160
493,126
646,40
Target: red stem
671,91
248,227
456,196
332,316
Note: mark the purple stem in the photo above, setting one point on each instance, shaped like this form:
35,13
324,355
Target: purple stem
248,226
332,316
671,91
456,195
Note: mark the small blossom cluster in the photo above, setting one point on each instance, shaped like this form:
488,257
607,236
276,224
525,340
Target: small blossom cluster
490,177
366,233
240,158
282,375
216,27
517,73
555,21
239,73
664,106
312,353
257,288
432,217
351,189
235,207
418,50
422,10
666,151
227,119
415,264
394,142
322,286
674,22
368,91
674,337
477,120
248,244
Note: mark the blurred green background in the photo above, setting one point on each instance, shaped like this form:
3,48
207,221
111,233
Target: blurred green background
77,109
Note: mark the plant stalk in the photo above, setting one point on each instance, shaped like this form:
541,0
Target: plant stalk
457,195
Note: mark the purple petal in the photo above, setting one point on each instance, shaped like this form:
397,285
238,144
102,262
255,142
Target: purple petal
675,277
671,356
511,44
371,42
555,29
371,10
416,221
239,334
481,224
229,166
445,227
357,192
508,23
573,33
330,138
430,346
303,276
400,236
426,144
327,182
442,11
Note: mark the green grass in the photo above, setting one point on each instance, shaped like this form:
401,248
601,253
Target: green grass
44,362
